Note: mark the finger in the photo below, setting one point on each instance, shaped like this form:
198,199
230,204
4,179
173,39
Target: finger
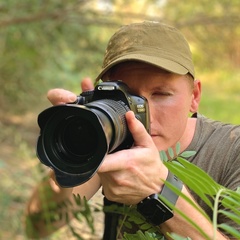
87,84
119,160
140,135
114,162
60,96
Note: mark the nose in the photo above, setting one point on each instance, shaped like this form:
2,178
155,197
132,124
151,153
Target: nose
150,107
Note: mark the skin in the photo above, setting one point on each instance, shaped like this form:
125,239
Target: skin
128,176
170,96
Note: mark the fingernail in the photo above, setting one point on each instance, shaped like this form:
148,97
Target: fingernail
72,97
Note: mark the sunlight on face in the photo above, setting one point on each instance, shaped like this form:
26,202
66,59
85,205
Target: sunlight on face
169,97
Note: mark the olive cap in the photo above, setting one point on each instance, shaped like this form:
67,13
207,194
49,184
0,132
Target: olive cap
150,42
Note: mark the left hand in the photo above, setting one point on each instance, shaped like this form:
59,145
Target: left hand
61,96
130,175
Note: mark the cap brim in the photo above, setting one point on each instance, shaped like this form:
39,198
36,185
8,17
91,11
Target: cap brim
164,63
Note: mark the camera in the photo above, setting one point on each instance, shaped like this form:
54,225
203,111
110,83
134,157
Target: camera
75,137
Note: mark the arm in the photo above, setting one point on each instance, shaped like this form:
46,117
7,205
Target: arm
180,226
48,195
129,176
44,203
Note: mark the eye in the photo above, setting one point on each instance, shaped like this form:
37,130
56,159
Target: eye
162,93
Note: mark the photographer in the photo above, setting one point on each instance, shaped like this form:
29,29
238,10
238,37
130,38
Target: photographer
155,62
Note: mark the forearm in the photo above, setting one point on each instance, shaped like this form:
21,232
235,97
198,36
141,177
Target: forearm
42,208
182,227
50,201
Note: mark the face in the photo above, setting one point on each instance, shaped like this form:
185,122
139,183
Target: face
170,97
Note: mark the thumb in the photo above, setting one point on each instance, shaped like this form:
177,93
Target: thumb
140,135
87,84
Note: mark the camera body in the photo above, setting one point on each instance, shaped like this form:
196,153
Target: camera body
118,91
75,137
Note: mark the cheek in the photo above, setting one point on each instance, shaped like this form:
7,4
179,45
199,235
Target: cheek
166,117
170,118
172,108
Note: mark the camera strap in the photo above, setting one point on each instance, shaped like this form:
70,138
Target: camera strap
110,221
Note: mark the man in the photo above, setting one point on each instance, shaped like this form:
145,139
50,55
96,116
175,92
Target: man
155,61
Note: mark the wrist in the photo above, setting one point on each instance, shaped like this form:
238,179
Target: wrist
155,208
64,192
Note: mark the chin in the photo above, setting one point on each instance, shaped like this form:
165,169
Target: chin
160,143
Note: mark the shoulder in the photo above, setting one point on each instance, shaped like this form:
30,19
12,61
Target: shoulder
216,140
217,147
218,128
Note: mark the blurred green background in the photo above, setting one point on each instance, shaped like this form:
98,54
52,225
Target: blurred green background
55,43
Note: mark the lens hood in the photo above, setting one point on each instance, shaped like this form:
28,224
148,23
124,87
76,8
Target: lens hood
72,168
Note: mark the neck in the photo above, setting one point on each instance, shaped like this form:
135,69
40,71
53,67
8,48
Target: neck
188,134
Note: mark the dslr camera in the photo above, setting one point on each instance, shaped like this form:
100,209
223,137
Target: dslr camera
75,137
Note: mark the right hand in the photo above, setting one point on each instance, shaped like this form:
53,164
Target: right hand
61,96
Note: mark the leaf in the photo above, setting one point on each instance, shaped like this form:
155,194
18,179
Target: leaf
64,204
163,156
235,196
238,190
77,199
145,226
187,154
177,237
136,220
187,199
191,222
67,217
171,153
194,183
139,235
88,215
74,233
234,217
200,173
76,215
178,148
232,204
127,225
230,230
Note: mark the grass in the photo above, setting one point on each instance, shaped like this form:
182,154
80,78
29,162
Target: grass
19,167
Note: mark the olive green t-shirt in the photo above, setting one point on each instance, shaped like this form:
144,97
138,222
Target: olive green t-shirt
217,147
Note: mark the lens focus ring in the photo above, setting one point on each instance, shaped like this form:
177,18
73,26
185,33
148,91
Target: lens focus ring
116,111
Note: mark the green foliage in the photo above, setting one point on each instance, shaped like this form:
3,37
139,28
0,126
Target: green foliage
46,44
141,236
83,212
219,89
130,218
212,27
65,211
213,194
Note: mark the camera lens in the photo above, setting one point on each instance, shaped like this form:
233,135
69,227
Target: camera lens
78,137
75,139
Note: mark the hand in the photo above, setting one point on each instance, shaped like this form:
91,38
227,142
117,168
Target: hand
128,176
60,96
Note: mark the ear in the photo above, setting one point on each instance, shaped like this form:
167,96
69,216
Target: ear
196,96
